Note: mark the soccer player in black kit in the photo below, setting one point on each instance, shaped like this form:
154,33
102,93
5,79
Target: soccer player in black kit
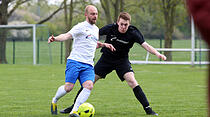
122,36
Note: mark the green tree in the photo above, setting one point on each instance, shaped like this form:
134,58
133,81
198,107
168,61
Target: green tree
68,24
112,5
166,15
4,16
106,6
168,8
5,13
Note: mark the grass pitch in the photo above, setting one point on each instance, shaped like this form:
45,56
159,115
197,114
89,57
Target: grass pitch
172,90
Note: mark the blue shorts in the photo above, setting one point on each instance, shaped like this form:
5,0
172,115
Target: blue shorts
78,70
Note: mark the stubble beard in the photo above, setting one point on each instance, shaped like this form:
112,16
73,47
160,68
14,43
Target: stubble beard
91,21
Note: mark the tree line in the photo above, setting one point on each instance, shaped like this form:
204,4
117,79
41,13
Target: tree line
154,18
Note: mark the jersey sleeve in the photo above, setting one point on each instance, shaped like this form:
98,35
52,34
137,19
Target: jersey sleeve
139,38
74,31
105,30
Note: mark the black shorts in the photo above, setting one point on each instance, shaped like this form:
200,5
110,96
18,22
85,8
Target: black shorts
105,65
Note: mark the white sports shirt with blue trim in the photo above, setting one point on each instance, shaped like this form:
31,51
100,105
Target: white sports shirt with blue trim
85,37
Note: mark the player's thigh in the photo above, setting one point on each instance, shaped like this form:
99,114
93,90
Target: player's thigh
88,84
130,79
122,68
97,77
71,72
68,86
87,74
102,68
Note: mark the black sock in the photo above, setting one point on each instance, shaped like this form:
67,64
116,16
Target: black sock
141,96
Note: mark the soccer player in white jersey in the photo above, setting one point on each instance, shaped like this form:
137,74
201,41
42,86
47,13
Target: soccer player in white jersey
79,64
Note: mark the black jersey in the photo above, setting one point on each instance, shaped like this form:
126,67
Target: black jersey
121,41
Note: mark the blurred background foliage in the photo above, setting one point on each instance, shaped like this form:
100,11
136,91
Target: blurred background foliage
146,16
156,19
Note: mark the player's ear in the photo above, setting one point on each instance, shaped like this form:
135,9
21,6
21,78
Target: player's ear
118,22
129,23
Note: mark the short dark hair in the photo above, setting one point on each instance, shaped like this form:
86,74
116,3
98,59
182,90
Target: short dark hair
125,16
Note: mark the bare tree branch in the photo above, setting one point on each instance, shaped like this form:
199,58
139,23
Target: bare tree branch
137,5
49,17
105,5
112,2
18,3
8,1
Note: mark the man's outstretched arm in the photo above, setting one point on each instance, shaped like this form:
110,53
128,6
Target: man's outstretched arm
61,37
152,50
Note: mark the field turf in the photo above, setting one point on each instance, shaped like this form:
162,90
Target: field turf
172,90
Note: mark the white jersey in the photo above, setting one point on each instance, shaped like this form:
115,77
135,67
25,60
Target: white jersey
85,37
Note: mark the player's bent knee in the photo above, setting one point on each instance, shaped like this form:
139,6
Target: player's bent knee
68,87
132,84
88,85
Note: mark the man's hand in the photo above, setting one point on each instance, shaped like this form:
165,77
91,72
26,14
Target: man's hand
161,56
110,46
51,39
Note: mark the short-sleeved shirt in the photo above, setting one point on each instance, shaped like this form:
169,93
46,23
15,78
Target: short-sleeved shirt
85,37
121,41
